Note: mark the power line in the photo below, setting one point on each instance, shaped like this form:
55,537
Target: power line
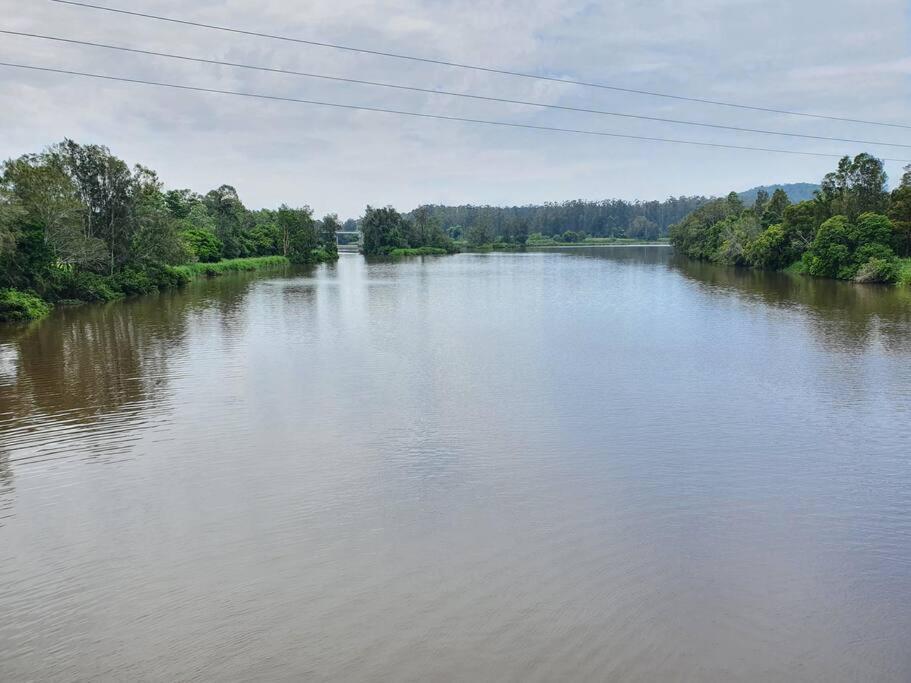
448,93
473,67
441,117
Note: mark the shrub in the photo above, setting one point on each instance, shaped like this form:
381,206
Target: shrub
770,249
16,306
840,247
83,286
206,247
135,280
878,270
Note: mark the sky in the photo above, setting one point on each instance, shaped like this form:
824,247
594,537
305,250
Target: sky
850,58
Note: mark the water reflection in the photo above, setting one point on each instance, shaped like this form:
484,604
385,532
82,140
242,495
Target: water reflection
843,316
587,464
101,371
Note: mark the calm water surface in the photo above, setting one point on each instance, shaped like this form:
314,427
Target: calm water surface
600,464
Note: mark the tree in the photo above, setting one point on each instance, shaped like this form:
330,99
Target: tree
857,186
770,249
479,235
105,187
48,203
230,218
900,213
642,228
841,247
203,245
762,198
299,232
181,202
774,209
383,230
328,226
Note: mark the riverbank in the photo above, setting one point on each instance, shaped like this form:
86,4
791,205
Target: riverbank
236,265
83,288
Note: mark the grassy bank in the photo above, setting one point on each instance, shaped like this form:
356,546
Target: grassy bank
420,251
16,306
904,272
72,287
235,265
594,242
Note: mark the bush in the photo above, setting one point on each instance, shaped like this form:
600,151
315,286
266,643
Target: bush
148,279
878,270
204,245
840,247
83,286
194,270
16,306
770,249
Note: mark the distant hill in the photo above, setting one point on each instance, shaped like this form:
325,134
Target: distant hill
797,192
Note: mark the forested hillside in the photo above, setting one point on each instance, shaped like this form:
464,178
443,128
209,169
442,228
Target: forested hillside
796,192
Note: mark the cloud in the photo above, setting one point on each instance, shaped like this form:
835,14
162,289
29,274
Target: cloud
841,58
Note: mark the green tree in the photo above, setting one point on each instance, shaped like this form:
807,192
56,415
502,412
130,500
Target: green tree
841,247
383,230
771,249
857,186
230,218
181,202
48,203
328,226
773,210
204,246
479,235
642,228
301,231
900,213
762,198
105,187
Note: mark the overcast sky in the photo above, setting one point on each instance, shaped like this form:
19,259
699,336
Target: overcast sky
847,58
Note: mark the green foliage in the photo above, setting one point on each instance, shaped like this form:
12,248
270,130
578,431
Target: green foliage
841,247
607,218
904,272
643,228
900,213
856,242
857,186
194,270
136,280
78,223
419,251
479,235
771,249
203,245
76,285
16,306
885,270
800,223
383,230
773,211
699,235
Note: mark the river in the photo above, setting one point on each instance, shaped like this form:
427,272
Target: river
590,464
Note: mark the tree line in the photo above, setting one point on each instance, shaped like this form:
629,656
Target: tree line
853,228
77,223
608,218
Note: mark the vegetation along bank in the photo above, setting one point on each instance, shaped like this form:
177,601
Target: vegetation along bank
77,224
852,229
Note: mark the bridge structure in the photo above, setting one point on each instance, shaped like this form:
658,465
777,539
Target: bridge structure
349,240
